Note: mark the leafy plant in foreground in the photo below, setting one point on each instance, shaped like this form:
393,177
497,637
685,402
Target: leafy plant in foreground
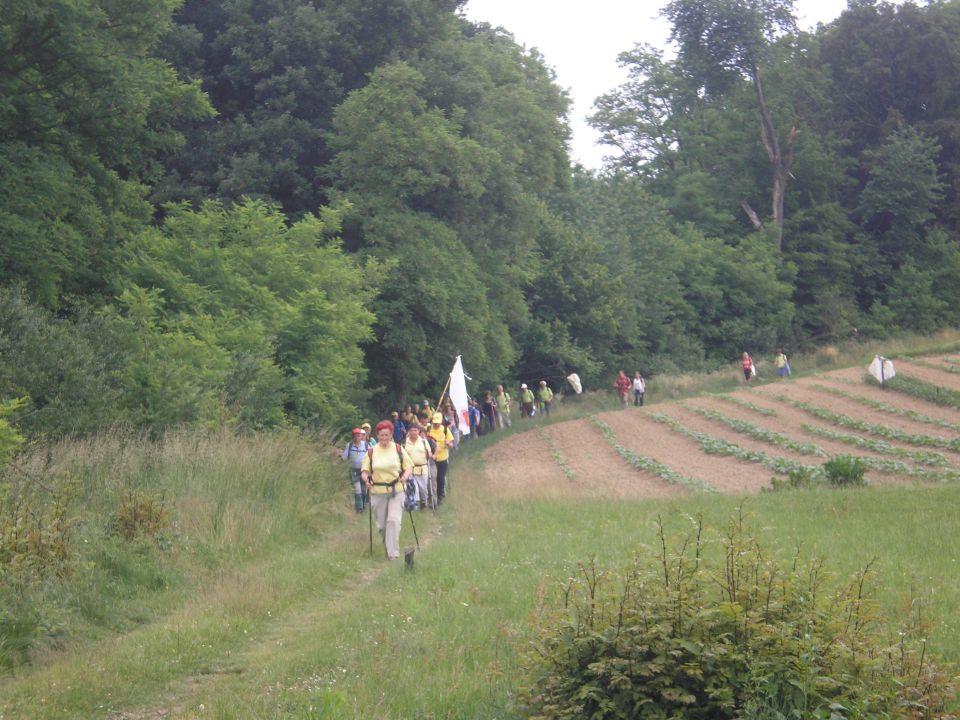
845,470
694,635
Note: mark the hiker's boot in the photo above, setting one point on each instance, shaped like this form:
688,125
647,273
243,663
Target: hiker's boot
423,505
358,503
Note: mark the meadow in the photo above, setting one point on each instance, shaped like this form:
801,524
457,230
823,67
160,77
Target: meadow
253,593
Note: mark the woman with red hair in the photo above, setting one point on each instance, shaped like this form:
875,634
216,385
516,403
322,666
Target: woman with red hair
386,469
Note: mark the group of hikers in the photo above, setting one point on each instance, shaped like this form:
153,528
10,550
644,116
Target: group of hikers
403,463
625,385
749,367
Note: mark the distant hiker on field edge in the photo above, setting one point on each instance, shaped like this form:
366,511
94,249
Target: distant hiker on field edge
622,385
639,388
783,365
749,369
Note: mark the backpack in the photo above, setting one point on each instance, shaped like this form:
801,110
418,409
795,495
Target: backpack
392,485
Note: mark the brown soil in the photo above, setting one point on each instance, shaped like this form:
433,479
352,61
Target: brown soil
601,472
523,465
639,433
932,375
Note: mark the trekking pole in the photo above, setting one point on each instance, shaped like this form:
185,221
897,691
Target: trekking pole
370,516
414,526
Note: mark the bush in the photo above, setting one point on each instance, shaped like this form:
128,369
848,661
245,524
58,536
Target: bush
747,638
844,470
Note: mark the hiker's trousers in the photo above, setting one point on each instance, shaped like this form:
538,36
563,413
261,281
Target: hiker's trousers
388,511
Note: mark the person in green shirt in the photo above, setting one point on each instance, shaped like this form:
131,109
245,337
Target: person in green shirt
526,401
545,398
503,401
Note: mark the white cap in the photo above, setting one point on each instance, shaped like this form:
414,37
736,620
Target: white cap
523,386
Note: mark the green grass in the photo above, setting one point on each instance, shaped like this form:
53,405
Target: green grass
263,602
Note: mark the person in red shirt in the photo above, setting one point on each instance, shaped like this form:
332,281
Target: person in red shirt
623,384
746,364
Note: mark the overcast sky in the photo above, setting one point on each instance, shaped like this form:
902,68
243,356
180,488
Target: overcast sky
581,40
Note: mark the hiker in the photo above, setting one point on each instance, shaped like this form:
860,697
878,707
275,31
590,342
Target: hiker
399,427
639,389
503,407
450,419
386,469
489,412
439,432
783,365
526,401
420,453
367,433
622,385
473,413
354,453
545,398
749,369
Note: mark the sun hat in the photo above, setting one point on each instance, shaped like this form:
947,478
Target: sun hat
523,386
356,431
437,418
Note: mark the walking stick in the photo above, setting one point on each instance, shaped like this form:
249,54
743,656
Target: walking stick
414,526
370,516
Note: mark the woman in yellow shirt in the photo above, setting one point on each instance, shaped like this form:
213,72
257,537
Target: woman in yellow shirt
385,470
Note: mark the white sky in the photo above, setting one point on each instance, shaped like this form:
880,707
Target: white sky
581,40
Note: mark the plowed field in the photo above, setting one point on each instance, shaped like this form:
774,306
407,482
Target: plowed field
736,443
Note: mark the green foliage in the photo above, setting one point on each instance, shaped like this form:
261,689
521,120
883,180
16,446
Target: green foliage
68,371
844,471
239,313
85,108
10,437
739,635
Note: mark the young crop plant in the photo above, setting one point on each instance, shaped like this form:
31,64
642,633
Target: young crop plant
718,446
915,387
842,420
844,471
759,433
769,412
646,464
887,408
689,634
558,458
881,446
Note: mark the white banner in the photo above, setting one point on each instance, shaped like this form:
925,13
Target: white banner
881,369
458,396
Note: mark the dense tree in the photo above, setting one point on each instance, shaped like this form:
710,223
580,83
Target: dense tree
84,110
275,70
721,41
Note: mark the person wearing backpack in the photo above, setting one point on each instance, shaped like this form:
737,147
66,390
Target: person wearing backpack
386,469
418,449
354,453
639,389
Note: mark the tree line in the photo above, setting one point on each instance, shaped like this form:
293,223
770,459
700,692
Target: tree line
291,211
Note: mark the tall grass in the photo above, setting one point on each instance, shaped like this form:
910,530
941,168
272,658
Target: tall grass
217,500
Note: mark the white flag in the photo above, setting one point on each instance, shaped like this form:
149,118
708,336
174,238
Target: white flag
881,369
458,396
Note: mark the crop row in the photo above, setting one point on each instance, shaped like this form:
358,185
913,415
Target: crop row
747,404
642,462
555,454
881,446
915,387
718,446
842,420
760,433
885,407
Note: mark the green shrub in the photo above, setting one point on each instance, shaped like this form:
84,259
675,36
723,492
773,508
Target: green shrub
740,637
844,470
797,478
140,515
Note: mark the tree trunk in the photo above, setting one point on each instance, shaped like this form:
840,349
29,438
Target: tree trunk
780,161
